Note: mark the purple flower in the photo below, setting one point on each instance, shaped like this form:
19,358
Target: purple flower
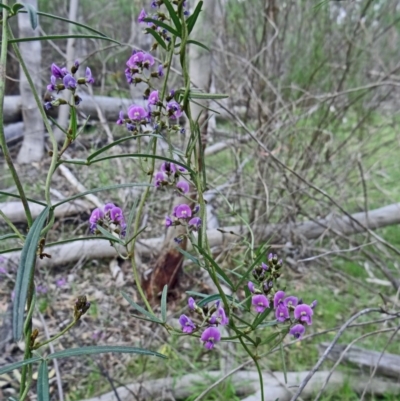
264,266
168,221
174,109
297,331
160,178
290,301
191,303
116,215
41,289
128,76
195,223
120,121
210,336
223,319
282,313
183,186
69,82
130,127
48,106
96,215
52,86
136,113
88,76
260,302
278,298
135,60
314,304
3,270
61,282
154,4
57,71
142,16
196,209
251,287
168,167
153,98
183,211
187,325
160,70
108,207
303,313
178,240
148,60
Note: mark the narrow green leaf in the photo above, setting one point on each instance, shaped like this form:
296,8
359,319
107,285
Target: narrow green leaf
95,190
164,303
102,349
8,236
191,21
162,25
270,338
174,16
5,193
157,37
17,365
60,37
196,294
283,361
140,309
261,316
216,266
43,391
117,142
206,96
216,297
68,240
131,216
188,256
197,43
32,13
7,8
108,235
24,273
138,233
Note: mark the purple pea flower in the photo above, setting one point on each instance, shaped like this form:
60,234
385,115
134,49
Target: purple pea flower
88,76
303,313
154,4
183,186
210,336
96,215
154,98
160,178
160,70
223,319
128,76
297,331
136,113
142,16
69,82
120,121
260,302
57,71
108,207
282,313
3,270
135,60
168,221
174,109
278,298
61,282
168,167
314,304
191,303
290,301
148,60
183,211
264,266
251,287
116,215
187,325
48,106
195,223
52,86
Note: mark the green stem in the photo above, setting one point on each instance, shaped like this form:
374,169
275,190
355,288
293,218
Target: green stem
3,142
12,226
72,324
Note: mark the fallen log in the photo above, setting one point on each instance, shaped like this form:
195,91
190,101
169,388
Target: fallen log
387,364
220,238
245,383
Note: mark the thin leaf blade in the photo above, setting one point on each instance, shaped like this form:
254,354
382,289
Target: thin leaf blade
164,303
43,391
140,309
17,365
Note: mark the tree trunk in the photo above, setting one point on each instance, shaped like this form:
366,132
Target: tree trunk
33,145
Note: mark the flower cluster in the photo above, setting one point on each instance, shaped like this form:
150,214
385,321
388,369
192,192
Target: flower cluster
62,79
184,215
110,217
169,174
211,318
264,294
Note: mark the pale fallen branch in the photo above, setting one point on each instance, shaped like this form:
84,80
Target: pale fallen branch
246,382
219,238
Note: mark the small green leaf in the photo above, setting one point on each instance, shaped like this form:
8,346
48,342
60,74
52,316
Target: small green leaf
140,309
43,391
174,16
191,21
24,273
197,43
189,256
109,236
164,303
206,96
32,13
7,8
102,349
157,37
162,25
17,365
